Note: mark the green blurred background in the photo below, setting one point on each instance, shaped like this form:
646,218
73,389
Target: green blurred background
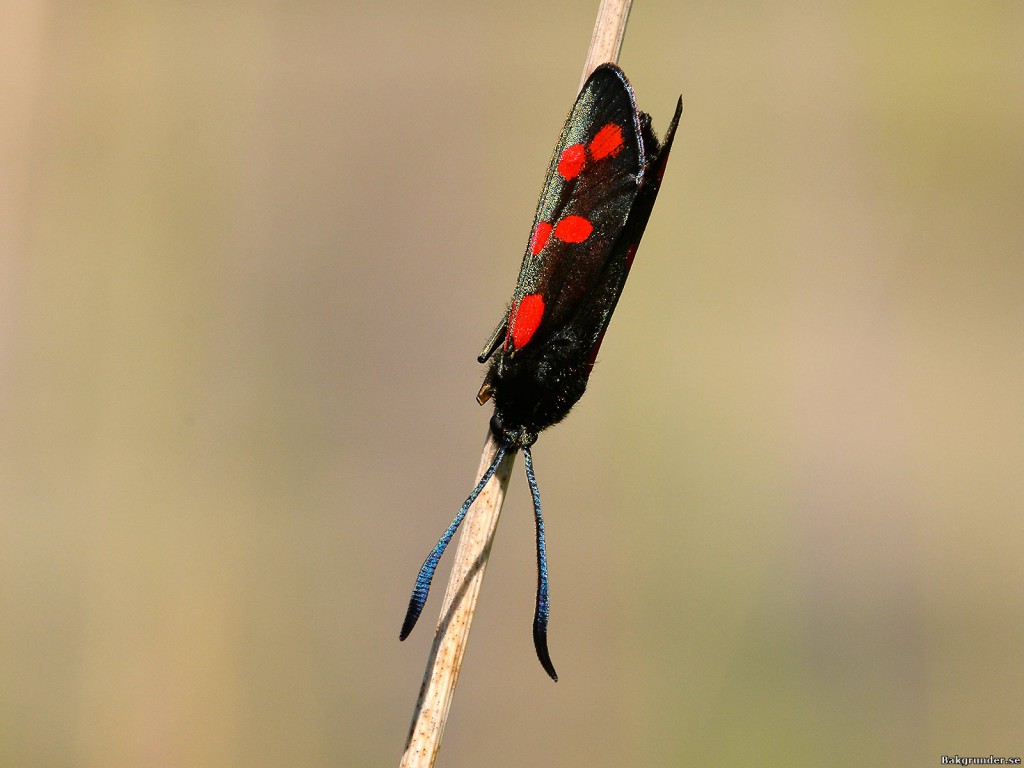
249,253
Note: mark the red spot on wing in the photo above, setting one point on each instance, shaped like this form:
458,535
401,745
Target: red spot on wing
573,229
527,319
608,141
572,160
539,238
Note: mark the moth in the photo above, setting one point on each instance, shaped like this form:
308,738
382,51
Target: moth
597,197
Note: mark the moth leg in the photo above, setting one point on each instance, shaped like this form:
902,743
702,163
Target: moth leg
486,390
494,341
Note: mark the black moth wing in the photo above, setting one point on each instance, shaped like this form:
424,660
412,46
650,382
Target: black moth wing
540,387
603,192
602,195
598,195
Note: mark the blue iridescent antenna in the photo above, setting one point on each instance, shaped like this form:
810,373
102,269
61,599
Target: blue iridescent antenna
426,575
540,613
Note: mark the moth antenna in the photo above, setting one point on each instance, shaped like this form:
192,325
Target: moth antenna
426,574
540,614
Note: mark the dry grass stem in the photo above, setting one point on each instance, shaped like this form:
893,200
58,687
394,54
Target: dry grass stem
445,662
609,30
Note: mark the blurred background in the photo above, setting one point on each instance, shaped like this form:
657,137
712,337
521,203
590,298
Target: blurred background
249,254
